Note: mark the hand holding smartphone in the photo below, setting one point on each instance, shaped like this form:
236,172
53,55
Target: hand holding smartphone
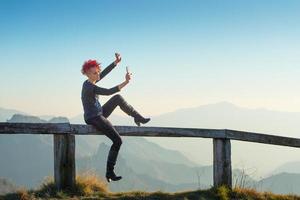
128,75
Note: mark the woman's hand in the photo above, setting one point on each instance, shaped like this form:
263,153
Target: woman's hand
128,76
118,58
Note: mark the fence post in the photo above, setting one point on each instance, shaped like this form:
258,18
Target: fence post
64,161
222,162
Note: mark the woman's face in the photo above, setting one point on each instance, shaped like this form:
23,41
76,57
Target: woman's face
94,73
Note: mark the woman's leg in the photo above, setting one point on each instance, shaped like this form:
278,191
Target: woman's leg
118,100
113,102
104,125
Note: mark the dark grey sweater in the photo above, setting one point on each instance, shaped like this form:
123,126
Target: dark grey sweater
90,92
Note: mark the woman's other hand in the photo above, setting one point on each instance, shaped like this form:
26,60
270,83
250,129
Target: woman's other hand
118,58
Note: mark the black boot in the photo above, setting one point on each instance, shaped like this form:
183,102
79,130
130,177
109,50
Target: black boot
110,174
111,162
129,110
139,118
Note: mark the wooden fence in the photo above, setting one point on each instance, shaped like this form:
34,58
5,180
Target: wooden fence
64,144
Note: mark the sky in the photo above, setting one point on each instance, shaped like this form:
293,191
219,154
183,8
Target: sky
180,53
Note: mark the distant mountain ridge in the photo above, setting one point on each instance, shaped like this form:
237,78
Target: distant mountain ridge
35,152
34,119
134,179
213,116
290,167
282,183
5,114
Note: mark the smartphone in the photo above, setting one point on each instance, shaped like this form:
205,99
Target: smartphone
127,69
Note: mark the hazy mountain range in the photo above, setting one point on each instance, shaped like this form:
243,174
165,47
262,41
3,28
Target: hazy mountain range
150,166
27,159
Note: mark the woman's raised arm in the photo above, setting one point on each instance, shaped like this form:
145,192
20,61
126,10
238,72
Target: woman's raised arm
110,67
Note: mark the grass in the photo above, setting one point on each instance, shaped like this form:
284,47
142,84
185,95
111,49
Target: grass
92,187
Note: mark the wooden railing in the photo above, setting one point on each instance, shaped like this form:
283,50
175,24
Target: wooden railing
64,144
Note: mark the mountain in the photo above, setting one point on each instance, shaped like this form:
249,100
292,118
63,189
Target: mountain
35,152
25,119
6,186
140,147
132,179
5,114
141,173
27,159
226,115
219,115
290,167
283,183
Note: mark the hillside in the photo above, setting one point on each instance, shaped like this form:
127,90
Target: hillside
290,167
143,157
281,183
5,114
93,187
136,172
170,170
229,116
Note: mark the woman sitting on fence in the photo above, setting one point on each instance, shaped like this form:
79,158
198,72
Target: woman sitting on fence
96,115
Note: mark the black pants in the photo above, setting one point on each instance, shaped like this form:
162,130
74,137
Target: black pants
105,126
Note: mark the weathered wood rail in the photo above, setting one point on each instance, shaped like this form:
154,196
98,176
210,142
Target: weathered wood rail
64,144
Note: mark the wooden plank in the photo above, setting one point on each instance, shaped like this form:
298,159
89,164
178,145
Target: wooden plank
151,131
81,129
64,161
262,138
222,173
34,128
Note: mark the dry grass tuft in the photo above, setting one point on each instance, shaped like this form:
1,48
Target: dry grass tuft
91,186
247,193
87,184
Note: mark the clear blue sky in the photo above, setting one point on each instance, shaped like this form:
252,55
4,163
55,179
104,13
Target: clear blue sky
181,53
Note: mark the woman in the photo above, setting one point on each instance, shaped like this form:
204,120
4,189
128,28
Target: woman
96,115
